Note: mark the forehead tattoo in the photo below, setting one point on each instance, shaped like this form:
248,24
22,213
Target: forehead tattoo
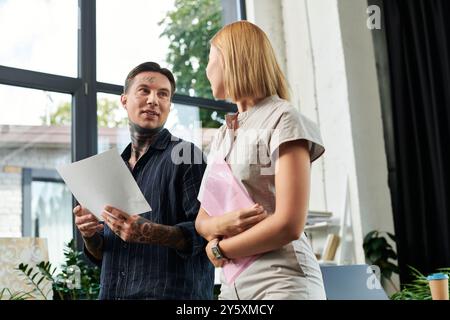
150,79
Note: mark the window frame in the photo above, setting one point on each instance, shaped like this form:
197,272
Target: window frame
84,89
30,175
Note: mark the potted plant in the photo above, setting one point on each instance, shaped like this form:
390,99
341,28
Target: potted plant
379,252
77,280
418,289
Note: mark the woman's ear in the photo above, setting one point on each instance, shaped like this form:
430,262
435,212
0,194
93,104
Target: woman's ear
123,100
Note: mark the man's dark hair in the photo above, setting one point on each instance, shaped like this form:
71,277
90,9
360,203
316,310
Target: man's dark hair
153,67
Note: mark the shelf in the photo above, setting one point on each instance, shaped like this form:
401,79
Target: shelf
321,225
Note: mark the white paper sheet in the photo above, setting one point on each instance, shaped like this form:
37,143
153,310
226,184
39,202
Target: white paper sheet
102,180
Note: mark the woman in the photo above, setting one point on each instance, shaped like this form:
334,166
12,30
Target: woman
269,147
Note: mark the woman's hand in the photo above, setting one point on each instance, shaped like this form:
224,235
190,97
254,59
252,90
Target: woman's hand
218,263
235,222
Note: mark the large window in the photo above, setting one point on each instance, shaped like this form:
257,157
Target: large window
62,66
31,141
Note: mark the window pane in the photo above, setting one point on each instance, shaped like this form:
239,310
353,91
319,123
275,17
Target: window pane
127,35
186,123
183,121
34,135
112,123
35,108
39,35
174,33
51,204
189,27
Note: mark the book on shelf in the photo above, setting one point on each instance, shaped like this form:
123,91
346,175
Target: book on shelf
318,218
323,214
330,248
317,225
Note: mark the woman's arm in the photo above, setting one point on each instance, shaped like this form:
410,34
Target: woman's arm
229,224
207,226
292,184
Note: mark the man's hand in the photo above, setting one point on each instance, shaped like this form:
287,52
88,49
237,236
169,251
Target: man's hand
138,229
86,222
235,222
128,228
218,263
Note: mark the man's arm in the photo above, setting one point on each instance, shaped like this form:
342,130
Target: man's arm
94,245
91,230
141,230
145,231
182,236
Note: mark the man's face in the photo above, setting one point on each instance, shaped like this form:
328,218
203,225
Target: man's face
148,100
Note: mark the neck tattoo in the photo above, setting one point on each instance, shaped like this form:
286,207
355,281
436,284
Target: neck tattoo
141,139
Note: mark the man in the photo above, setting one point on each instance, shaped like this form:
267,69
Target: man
158,254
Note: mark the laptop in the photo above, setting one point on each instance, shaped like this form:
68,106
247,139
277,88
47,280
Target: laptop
352,282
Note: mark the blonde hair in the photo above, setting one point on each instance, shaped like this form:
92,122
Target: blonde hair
250,66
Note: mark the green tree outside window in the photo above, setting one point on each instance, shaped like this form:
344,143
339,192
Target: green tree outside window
189,27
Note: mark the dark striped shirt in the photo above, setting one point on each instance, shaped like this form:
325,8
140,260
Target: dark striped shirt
145,271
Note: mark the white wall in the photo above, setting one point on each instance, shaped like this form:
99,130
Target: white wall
268,16
327,52
366,119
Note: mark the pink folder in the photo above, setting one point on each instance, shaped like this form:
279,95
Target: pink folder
222,193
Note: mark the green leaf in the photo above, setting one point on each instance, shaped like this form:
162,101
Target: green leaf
375,256
40,280
369,236
379,244
23,267
393,238
391,254
416,273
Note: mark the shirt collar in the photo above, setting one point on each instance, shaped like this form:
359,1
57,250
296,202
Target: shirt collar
234,120
162,140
